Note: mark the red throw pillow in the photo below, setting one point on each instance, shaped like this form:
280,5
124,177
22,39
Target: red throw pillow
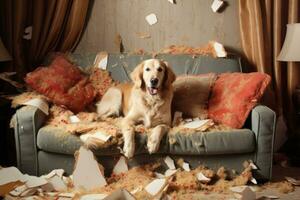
63,83
234,95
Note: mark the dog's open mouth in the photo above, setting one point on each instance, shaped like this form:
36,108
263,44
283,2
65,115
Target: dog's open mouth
152,90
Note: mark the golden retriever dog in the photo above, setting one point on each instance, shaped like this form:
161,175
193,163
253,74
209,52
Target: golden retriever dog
147,100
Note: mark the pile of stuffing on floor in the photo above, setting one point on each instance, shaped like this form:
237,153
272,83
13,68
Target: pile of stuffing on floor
179,181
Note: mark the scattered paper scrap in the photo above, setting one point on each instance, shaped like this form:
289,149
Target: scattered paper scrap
155,186
33,181
101,60
10,174
58,172
66,194
216,5
270,197
170,172
57,183
87,173
74,119
93,196
151,19
18,190
159,175
293,181
170,162
186,167
120,194
202,178
252,165
121,166
244,193
199,124
138,189
253,180
38,103
97,135
172,1
219,49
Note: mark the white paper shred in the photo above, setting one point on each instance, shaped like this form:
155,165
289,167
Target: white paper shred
216,5
121,166
74,119
155,186
151,19
202,178
103,63
170,172
196,123
170,162
93,197
186,167
38,103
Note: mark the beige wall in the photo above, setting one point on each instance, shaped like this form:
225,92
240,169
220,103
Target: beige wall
189,22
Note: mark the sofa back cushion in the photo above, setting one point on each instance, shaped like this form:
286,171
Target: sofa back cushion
63,83
234,95
191,93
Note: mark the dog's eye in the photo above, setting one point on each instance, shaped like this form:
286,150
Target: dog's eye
147,69
159,69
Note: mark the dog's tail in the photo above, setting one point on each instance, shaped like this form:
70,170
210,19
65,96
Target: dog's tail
110,104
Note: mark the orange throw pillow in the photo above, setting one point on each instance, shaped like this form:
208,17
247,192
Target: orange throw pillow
63,83
234,95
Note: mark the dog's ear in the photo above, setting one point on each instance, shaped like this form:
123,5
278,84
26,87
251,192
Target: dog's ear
169,77
137,75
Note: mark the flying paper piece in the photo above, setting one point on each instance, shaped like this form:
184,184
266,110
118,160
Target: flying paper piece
151,19
38,103
220,50
101,60
186,167
120,194
121,166
252,165
74,119
87,173
170,172
202,178
170,162
172,1
155,186
159,175
216,5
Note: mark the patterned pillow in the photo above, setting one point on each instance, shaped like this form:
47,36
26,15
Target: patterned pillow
191,93
234,95
63,83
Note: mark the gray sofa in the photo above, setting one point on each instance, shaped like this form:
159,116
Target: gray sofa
41,149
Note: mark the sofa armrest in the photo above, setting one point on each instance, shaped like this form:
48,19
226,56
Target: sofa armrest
29,119
263,121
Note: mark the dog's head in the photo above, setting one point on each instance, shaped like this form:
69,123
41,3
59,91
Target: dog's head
153,75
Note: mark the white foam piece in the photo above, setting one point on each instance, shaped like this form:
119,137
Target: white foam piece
155,186
151,19
170,162
202,178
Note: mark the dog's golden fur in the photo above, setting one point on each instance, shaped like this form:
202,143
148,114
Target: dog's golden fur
140,102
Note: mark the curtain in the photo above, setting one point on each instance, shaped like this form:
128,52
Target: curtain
56,26
262,30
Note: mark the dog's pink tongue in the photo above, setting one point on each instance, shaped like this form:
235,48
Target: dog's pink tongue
153,91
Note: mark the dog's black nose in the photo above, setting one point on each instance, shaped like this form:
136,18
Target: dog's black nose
154,81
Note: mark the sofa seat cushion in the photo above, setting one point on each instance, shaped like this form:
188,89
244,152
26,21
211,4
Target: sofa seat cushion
56,140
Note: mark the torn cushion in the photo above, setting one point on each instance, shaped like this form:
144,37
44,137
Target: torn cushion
234,95
191,94
63,83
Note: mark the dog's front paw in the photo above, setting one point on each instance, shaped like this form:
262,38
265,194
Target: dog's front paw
152,145
128,149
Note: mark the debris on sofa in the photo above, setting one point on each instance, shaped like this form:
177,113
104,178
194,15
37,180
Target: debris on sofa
100,62
87,173
213,49
20,99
